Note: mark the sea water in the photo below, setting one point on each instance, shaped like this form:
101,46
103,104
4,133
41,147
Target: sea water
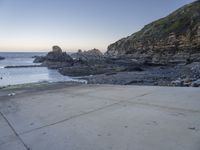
13,76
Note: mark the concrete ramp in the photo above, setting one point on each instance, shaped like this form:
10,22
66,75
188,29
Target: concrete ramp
101,117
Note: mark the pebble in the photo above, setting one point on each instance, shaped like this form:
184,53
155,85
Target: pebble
11,94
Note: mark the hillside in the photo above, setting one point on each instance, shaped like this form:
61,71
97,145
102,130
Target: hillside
175,38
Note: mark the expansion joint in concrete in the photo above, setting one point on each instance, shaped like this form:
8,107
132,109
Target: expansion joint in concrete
16,134
72,117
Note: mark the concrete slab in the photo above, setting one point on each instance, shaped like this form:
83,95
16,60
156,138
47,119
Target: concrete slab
8,140
35,111
183,98
124,126
12,144
122,92
5,130
101,117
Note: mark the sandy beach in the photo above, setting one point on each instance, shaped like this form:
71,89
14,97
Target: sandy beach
101,117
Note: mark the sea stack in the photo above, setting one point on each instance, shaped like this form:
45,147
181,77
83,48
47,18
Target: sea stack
55,59
56,55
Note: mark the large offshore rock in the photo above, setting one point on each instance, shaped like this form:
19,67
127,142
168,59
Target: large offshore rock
55,59
56,55
175,38
56,49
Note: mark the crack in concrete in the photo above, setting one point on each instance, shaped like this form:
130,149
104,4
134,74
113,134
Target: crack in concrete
76,116
15,133
72,117
155,105
113,99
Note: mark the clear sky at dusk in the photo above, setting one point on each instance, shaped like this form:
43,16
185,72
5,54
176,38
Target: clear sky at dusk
36,25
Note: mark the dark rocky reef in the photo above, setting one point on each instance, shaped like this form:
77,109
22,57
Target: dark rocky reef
91,62
2,58
178,75
55,59
124,71
173,39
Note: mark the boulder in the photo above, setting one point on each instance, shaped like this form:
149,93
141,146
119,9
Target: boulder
56,49
186,82
194,67
177,82
196,83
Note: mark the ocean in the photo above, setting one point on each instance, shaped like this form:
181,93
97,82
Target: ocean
14,76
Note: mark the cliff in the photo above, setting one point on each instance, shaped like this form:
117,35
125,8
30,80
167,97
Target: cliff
175,38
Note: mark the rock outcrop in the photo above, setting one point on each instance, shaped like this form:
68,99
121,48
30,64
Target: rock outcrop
39,59
92,62
55,59
89,56
175,38
84,70
56,49
56,55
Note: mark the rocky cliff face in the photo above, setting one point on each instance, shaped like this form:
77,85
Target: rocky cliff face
175,38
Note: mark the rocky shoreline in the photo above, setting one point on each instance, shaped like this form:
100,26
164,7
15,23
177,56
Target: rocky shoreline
165,52
94,67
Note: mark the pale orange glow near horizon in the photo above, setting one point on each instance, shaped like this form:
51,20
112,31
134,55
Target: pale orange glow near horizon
37,25
26,45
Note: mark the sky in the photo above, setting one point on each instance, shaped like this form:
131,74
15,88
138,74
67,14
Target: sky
37,25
